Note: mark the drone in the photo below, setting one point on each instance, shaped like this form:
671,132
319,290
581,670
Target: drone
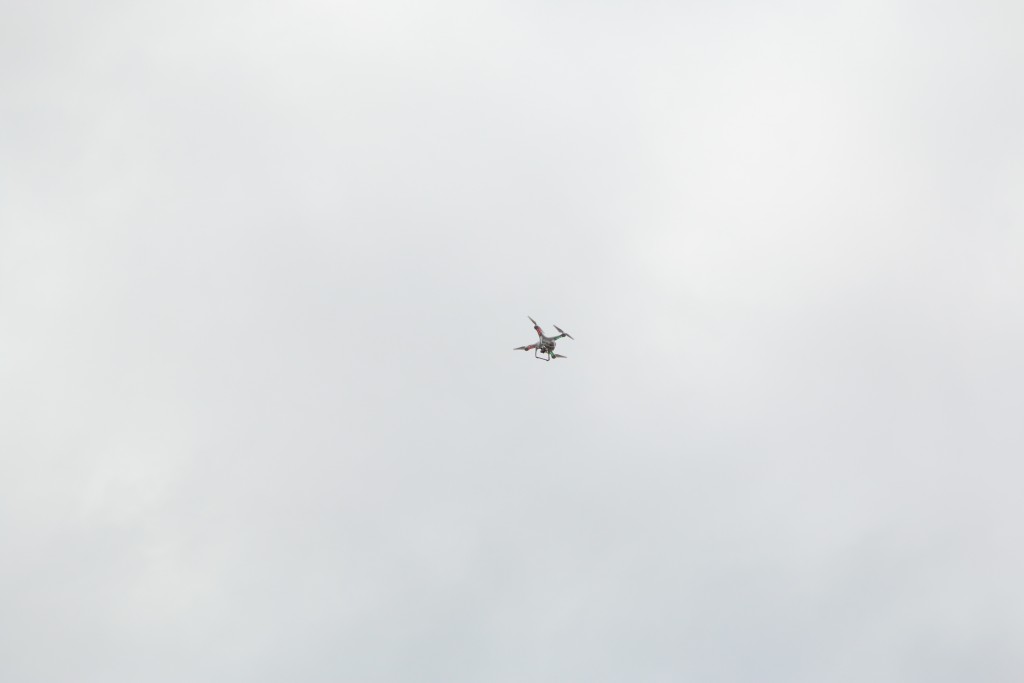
545,345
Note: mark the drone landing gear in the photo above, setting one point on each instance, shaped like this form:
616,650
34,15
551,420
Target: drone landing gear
535,352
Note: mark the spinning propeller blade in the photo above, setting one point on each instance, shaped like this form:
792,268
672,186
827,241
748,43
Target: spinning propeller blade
561,331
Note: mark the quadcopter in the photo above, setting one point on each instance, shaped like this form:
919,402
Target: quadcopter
545,345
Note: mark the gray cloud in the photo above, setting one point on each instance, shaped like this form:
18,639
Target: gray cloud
262,268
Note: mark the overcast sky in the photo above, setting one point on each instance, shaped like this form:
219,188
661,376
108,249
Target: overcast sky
263,265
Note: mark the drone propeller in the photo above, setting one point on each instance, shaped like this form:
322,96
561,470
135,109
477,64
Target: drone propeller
563,332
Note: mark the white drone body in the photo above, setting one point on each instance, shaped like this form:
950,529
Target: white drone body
544,345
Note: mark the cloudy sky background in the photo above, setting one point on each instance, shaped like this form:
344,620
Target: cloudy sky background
262,266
